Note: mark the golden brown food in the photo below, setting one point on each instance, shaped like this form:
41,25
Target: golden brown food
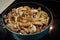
26,20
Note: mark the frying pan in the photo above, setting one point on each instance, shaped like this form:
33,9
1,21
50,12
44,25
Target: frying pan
35,36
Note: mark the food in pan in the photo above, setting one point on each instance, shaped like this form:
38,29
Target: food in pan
26,20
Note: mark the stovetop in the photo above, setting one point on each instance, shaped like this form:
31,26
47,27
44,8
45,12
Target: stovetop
54,32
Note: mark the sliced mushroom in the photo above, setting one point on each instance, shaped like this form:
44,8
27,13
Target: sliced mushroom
38,29
25,24
23,31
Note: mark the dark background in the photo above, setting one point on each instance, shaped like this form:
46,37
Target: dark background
54,6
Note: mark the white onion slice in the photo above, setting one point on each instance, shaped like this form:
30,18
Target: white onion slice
34,10
34,27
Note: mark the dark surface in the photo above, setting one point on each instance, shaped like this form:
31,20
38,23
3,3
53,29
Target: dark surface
54,34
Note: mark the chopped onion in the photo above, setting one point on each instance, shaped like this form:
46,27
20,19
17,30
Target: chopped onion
34,27
34,10
20,13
